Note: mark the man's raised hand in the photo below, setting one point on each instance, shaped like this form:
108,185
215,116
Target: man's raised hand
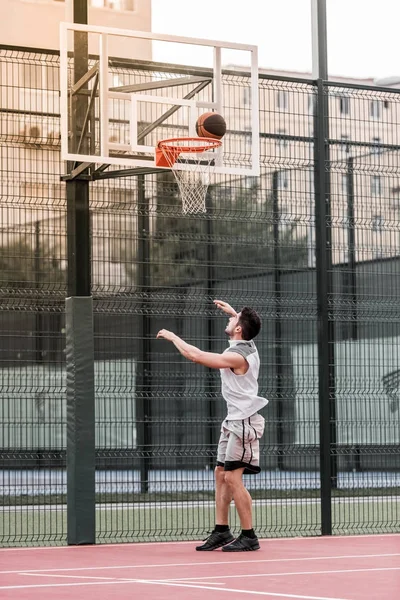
227,308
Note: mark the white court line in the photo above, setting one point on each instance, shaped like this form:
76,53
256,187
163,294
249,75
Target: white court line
199,564
139,544
281,574
144,581
200,583
198,504
115,579
57,585
178,581
251,592
97,578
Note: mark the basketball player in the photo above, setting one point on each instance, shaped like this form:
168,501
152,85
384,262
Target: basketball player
238,447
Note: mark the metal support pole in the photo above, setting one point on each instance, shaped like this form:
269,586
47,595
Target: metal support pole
78,218
78,238
323,248
79,326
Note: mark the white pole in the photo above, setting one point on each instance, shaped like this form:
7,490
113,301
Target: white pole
217,96
255,122
319,40
103,77
64,90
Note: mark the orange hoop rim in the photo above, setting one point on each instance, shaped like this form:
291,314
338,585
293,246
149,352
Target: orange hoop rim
175,144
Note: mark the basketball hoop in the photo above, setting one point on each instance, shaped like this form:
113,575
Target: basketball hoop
190,160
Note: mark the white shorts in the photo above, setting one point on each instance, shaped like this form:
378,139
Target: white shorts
239,445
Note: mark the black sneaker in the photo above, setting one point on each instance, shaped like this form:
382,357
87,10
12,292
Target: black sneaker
242,544
216,539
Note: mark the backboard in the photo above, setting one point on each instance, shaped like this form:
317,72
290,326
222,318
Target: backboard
115,109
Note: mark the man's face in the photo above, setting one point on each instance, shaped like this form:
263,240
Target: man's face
232,324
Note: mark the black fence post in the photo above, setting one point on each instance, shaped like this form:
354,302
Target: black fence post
351,245
278,321
143,374
326,354
38,280
212,429
350,287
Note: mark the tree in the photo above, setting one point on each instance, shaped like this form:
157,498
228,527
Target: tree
30,266
237,237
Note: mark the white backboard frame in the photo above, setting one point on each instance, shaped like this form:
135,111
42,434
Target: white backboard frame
105,94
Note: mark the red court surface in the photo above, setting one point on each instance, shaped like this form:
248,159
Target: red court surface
326,568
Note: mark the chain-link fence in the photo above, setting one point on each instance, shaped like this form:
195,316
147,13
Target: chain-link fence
259,244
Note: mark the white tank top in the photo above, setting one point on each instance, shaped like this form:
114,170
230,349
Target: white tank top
241,391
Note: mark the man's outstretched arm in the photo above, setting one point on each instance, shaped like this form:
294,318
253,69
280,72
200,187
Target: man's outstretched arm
227,360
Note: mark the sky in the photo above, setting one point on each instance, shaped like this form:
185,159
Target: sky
363,35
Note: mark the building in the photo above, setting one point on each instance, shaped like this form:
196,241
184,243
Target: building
364,161
35,23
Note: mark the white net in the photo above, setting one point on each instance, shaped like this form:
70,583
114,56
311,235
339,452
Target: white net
190,161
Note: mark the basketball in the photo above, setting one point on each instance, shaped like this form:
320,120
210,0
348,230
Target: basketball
211,125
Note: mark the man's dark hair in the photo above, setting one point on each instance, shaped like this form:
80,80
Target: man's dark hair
250,323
